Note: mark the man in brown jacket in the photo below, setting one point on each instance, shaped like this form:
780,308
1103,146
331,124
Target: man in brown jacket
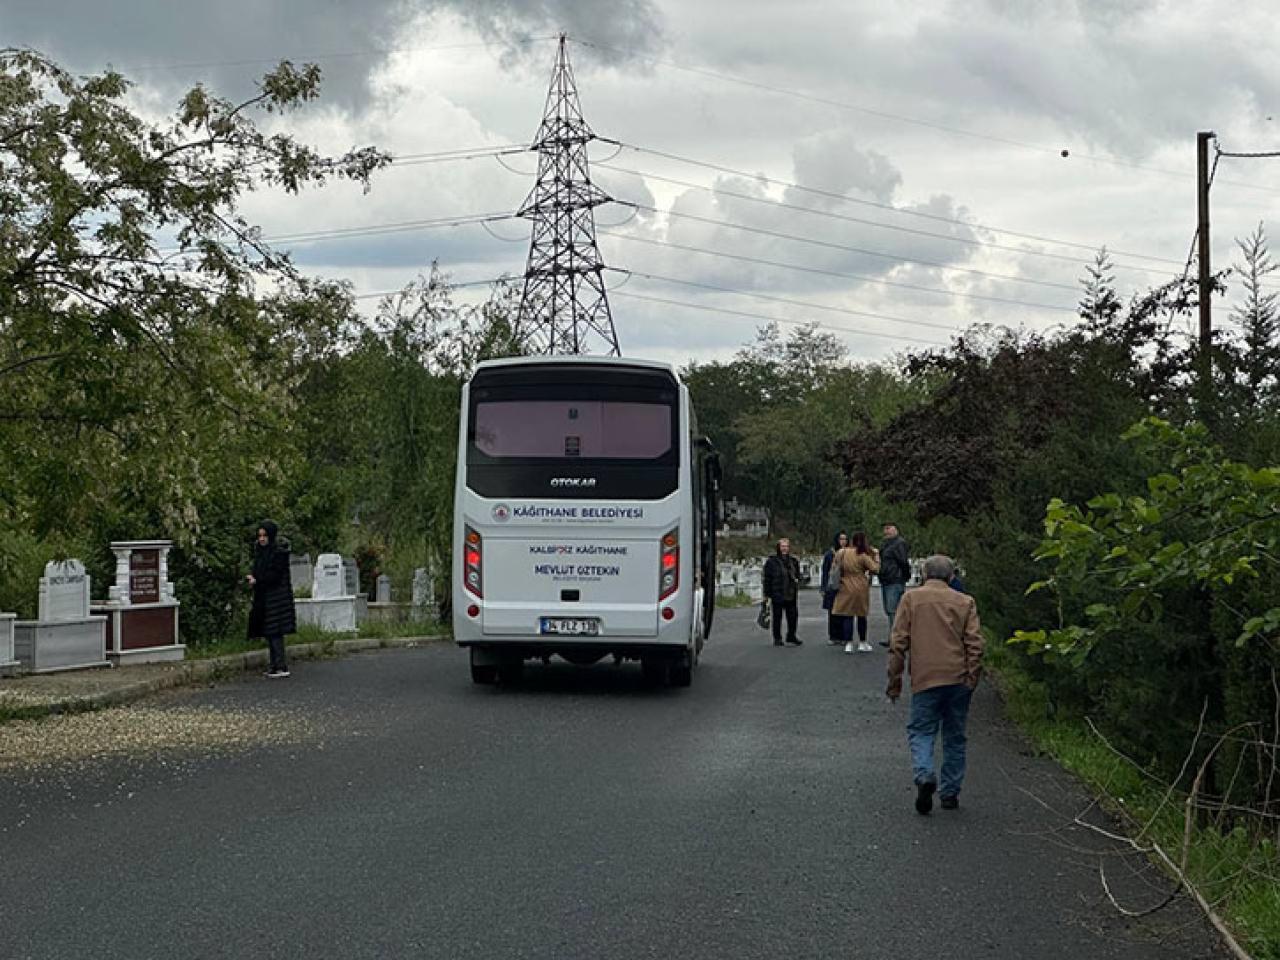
939,627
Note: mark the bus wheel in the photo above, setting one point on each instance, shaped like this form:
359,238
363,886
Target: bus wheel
682,671
482,672
511,673
654,670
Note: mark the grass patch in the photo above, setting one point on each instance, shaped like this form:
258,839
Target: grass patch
309,633
1233,870
384,630
737,600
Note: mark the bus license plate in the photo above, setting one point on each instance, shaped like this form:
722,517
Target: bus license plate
565,626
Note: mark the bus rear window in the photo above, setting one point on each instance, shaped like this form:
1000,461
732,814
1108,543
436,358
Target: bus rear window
572,429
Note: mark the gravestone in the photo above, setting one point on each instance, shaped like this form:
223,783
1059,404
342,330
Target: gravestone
422,592
141,607
300,571
328,582
383,591
351,582
64,592
331,607
8,663
66,636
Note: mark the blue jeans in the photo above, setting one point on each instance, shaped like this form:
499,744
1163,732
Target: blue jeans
891,594
947,707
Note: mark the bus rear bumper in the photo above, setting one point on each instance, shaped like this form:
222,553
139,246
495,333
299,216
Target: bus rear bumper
497,650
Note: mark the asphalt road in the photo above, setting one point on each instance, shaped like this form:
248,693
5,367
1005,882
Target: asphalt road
396,810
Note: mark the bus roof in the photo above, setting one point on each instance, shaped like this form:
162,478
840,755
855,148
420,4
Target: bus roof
596,361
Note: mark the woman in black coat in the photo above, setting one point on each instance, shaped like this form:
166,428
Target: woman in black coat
272,615
835,633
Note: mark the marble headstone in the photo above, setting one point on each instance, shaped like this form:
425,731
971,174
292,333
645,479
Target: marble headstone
300,572
328,582
351,577
64,592
421,588
384,589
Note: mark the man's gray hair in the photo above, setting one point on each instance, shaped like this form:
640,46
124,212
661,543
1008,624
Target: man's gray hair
939,567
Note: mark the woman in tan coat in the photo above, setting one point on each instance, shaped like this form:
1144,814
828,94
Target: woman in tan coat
857,562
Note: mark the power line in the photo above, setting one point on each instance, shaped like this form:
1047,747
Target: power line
900,118
692,306
782,204
769,319
340,55
837,274
443,156
449,284
507,150
832,195
1248,156
378,229
851,249
371,230
806,304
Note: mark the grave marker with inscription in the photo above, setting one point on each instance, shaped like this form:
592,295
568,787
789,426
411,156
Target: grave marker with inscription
66,636
328,582
330,607
64,592
141,607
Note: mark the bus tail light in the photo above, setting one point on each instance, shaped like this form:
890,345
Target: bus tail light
669,564
473,553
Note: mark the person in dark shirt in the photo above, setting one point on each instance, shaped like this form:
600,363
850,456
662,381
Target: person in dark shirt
895,571
781,583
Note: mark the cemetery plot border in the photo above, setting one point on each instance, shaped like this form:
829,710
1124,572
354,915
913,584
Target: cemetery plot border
8,663
66,636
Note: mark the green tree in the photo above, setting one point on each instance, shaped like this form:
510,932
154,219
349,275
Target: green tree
1100,305
1258,319
147,387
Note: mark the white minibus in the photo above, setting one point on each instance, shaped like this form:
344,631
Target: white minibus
585,515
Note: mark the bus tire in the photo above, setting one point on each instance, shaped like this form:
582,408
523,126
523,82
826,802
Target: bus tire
486,673
511,673
654,670
682,671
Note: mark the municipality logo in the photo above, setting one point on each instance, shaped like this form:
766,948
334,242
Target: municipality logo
501,512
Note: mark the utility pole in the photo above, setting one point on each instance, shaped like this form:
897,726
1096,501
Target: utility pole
1202,240
564,307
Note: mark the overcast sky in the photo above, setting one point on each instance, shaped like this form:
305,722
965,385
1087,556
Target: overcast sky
947,120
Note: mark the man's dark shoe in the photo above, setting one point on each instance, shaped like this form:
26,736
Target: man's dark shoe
777,643
924,796
795,641
950,803
884,643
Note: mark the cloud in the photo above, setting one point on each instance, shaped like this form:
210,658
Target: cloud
833,161
171,44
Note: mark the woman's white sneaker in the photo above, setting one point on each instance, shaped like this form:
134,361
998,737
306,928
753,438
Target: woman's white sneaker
864,647
848,648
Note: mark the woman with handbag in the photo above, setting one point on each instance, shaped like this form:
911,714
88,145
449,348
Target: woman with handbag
830,589
856,563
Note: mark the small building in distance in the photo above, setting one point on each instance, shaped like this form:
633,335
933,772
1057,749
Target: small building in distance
744,520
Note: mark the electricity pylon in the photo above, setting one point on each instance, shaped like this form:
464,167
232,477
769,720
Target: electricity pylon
564,307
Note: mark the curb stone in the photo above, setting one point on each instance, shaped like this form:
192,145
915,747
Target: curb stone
190,672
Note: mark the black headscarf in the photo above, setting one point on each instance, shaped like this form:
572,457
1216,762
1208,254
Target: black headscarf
262,553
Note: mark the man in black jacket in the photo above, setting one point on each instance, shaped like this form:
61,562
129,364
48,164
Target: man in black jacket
895,571
781,583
